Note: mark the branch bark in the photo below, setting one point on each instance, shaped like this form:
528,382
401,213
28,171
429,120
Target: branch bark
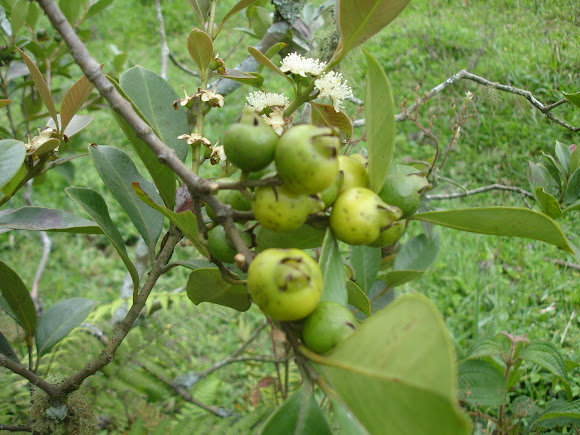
483,189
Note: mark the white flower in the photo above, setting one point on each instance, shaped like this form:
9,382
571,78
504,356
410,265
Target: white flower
297,64
260,100
195,138
331,85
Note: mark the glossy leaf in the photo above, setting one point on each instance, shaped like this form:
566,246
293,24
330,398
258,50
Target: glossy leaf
154,97
12,154
418,253
47,219
251,79
348,423
394,278
162,176
324,115
333,275
574,98
200,48
95,206
185,221
365,261
18,15
358,20
575,159
401,356
299,414
17,298
46,147
59,320
73,100
379,122
481,384
572,192
207,285
501,221
41,86
242,4
305,237
264,60
118,172
7,350
563,154
548,203
357,298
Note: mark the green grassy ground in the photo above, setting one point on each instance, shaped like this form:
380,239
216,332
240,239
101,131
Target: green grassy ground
482,285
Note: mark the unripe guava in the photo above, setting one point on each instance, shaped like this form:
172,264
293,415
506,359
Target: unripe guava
250,144
285,283
404,190
358,215
389,235
306,158
280,209
220,246
355,174
329,195
328,325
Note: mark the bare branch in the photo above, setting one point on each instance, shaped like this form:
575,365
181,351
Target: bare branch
19,369
562,263
164,47
182,66
483,189
464,75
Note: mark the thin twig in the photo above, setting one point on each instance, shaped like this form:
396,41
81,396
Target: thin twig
15,428
164,47
572,317
181,65
563,263
483,189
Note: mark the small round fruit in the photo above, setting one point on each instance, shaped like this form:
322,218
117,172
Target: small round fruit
328,325
355,174
220,245
390,235
285,283
358,215
250,144
329,195
279,209
404,191
306,158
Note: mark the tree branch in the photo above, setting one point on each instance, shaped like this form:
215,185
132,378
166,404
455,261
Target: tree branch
483,189
15,428
164,47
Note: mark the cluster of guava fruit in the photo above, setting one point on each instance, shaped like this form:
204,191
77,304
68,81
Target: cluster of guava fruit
287,283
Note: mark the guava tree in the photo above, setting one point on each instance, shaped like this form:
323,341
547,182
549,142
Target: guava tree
300,217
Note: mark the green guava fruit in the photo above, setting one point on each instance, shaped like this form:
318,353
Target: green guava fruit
390,235
329,195
328,325
404,190
355,174
250,144
358,215
279,209
220,245
307,158
285,283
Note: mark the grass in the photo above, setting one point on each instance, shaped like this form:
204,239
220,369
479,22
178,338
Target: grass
481,284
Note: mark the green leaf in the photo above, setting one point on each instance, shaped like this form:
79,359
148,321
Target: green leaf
242,4
118,172
324,115
539,176
572,193
548,203
575,159
305,237
40,84
7,350
333,276
71,9
487,346
73,100
200,9
154,97
398,371
394,278
357,298
75,124
481,383
574,98
299,414
418,253
264,60
59,320
358,20
348,423
18,15
12,154
573,207
564,415
162,176
95,206
563,154
98,7
379,121
547,355
34,13
200,48
365,261
18,298
501,221
185,221
47,219
207,285
251,79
